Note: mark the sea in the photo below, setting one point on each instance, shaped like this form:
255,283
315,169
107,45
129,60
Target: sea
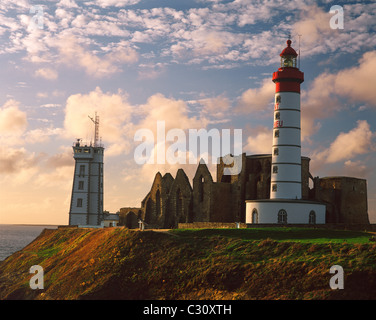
14,237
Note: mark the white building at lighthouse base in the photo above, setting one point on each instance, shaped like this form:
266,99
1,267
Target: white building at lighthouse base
283,211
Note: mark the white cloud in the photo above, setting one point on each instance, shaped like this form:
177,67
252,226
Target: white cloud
348,145
115,114
116,3
13,121
47,73
259,141
258,99
216,107
73,53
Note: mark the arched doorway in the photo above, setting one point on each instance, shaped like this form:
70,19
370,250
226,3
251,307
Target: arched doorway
312,217
254,216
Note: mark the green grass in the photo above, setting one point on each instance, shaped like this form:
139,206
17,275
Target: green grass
304,235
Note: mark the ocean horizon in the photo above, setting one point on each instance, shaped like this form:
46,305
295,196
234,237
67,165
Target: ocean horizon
14,237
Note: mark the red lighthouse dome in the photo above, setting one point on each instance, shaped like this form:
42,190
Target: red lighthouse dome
288,51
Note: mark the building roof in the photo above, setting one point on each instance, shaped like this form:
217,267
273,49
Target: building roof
111,216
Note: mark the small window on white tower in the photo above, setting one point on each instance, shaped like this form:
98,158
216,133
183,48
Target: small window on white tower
79,202
278,99
276,151
274,188
277,116
276,133
275,169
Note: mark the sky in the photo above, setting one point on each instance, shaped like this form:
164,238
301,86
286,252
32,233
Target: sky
197,64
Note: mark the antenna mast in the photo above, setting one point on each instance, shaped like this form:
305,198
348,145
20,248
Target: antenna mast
96,132
299,35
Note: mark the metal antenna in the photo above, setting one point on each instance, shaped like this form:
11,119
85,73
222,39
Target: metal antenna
299,35
96,132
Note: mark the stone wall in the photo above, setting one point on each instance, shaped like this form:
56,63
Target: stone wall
154,205
179,206
128,216
210,225
346,198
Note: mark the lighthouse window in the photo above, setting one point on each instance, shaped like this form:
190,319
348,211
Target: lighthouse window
277,116
312,217
278,99
276,151
274,188
82,170
275,169
282,216
276,133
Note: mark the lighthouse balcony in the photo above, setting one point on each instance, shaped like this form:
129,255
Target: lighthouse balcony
288,74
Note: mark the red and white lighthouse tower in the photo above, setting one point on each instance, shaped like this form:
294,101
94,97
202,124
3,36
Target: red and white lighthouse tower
286,204
286,182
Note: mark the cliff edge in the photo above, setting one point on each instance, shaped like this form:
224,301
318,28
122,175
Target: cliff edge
117,263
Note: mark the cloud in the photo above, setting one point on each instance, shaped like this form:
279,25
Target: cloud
160,108
348,145
356,169
41,135
257,99
313,24
73,53
325,95
17,165
151,70
358,83
116,3
318,102
216,107
13,121
115,114
47,73
174,114
62,159
259,140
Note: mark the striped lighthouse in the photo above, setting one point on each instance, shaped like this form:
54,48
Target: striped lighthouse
286,181
286,204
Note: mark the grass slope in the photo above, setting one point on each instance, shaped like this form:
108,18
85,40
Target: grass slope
116,263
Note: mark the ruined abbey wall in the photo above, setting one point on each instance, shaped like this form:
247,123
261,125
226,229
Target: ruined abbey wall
173,200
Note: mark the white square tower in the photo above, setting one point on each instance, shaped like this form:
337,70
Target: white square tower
86,208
